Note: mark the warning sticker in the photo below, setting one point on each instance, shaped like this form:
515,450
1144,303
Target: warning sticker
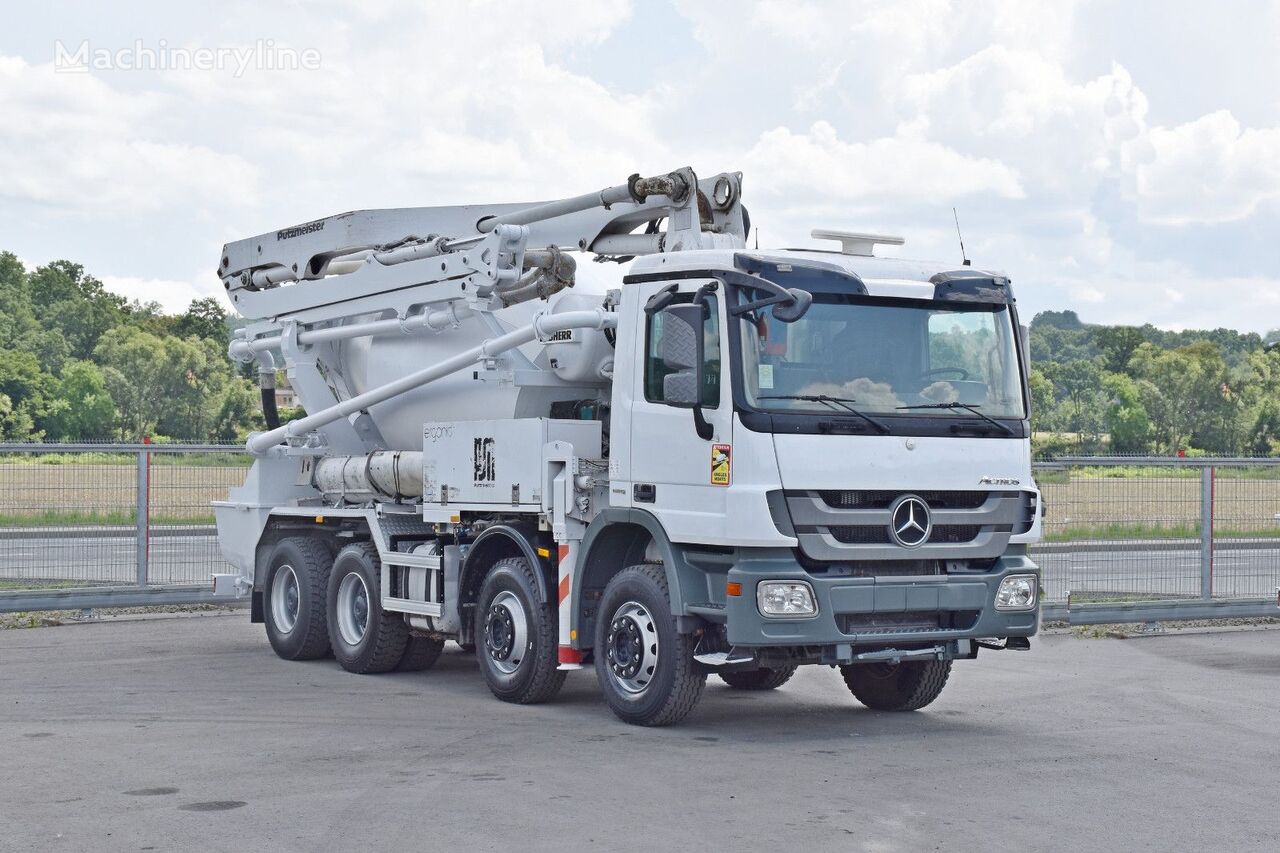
721,464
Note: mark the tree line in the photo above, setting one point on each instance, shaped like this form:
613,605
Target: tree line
1139,389
80,363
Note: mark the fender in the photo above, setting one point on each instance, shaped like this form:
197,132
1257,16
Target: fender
507,540
683,580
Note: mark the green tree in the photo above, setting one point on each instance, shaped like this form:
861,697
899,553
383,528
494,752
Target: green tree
1042,400
27,388
74,304
1187,395
1126,418
205,319
1078,384
84,408
1118,344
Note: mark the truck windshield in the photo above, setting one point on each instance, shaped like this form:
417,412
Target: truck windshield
885,356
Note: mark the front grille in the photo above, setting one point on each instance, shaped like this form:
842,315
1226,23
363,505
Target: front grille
882,499
948,533
907,621
839,525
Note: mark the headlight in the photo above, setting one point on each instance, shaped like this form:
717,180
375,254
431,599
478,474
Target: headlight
1017,592
786,598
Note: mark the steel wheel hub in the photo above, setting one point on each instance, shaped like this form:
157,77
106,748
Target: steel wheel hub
285,598
506,632
353,609
631,647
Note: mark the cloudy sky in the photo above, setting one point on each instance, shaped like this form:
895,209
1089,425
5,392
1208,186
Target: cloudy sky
1118,158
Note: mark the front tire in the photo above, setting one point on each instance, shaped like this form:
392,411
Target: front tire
645,668
764,678
905,686
297,576
515,635
366,639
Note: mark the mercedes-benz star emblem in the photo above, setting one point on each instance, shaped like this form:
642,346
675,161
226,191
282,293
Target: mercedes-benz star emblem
909,521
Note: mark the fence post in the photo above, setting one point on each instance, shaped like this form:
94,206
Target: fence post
1206,532
144,511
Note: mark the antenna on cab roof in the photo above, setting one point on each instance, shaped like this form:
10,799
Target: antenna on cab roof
963,256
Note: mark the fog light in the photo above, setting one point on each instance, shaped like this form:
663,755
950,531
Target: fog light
1017,592
786,598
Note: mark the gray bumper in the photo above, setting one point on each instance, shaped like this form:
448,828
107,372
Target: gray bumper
863,611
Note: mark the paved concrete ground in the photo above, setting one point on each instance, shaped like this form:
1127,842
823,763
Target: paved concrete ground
190,734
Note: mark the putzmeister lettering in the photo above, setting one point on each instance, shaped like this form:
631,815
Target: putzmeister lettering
299,230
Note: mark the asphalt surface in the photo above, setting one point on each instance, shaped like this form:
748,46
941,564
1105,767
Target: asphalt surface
189,734
1241,570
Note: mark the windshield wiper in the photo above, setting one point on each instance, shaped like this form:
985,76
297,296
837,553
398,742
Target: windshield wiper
968,408
840,402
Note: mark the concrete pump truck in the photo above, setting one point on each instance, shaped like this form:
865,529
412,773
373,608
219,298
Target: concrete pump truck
737,462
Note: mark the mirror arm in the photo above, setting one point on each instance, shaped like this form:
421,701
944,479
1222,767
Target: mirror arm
700,423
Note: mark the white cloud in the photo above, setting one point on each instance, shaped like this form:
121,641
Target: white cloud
173,295
1209,170
819,165
72,142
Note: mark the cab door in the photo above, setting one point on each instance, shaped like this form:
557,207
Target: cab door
675,474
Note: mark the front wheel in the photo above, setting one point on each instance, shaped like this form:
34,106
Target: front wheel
645,668
905,686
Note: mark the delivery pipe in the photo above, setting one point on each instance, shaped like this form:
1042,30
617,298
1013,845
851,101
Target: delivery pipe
542,327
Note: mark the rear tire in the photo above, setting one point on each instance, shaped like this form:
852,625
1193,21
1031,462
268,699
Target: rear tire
645,668
294,611
905,686
365,638
420,653
515,635
764,678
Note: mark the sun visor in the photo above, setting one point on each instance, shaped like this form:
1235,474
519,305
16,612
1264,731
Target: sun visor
805,275
972,286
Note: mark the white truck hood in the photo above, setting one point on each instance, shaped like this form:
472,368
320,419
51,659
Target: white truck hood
893,463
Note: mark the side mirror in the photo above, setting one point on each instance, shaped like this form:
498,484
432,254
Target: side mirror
682,354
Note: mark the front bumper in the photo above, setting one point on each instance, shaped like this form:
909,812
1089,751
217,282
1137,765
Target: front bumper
880,612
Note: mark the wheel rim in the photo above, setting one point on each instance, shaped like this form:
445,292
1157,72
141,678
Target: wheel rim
353,609
631,647
506,632
286,598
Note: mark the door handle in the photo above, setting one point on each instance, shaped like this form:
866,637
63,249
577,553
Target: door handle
645,493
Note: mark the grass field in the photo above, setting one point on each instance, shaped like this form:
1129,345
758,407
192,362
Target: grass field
1088,503
105,493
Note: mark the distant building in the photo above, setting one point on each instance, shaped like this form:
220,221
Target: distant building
285,397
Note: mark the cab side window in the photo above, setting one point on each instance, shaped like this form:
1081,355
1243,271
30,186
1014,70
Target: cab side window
655,371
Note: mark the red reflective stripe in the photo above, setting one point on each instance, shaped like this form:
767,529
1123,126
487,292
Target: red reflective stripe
564,552
564,588
568,655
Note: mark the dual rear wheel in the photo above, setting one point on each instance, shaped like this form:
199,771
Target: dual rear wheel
318,604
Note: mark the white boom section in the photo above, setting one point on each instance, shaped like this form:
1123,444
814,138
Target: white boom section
261,274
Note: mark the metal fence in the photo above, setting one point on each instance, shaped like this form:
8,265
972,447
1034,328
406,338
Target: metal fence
1155,538
95,525
1125,539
